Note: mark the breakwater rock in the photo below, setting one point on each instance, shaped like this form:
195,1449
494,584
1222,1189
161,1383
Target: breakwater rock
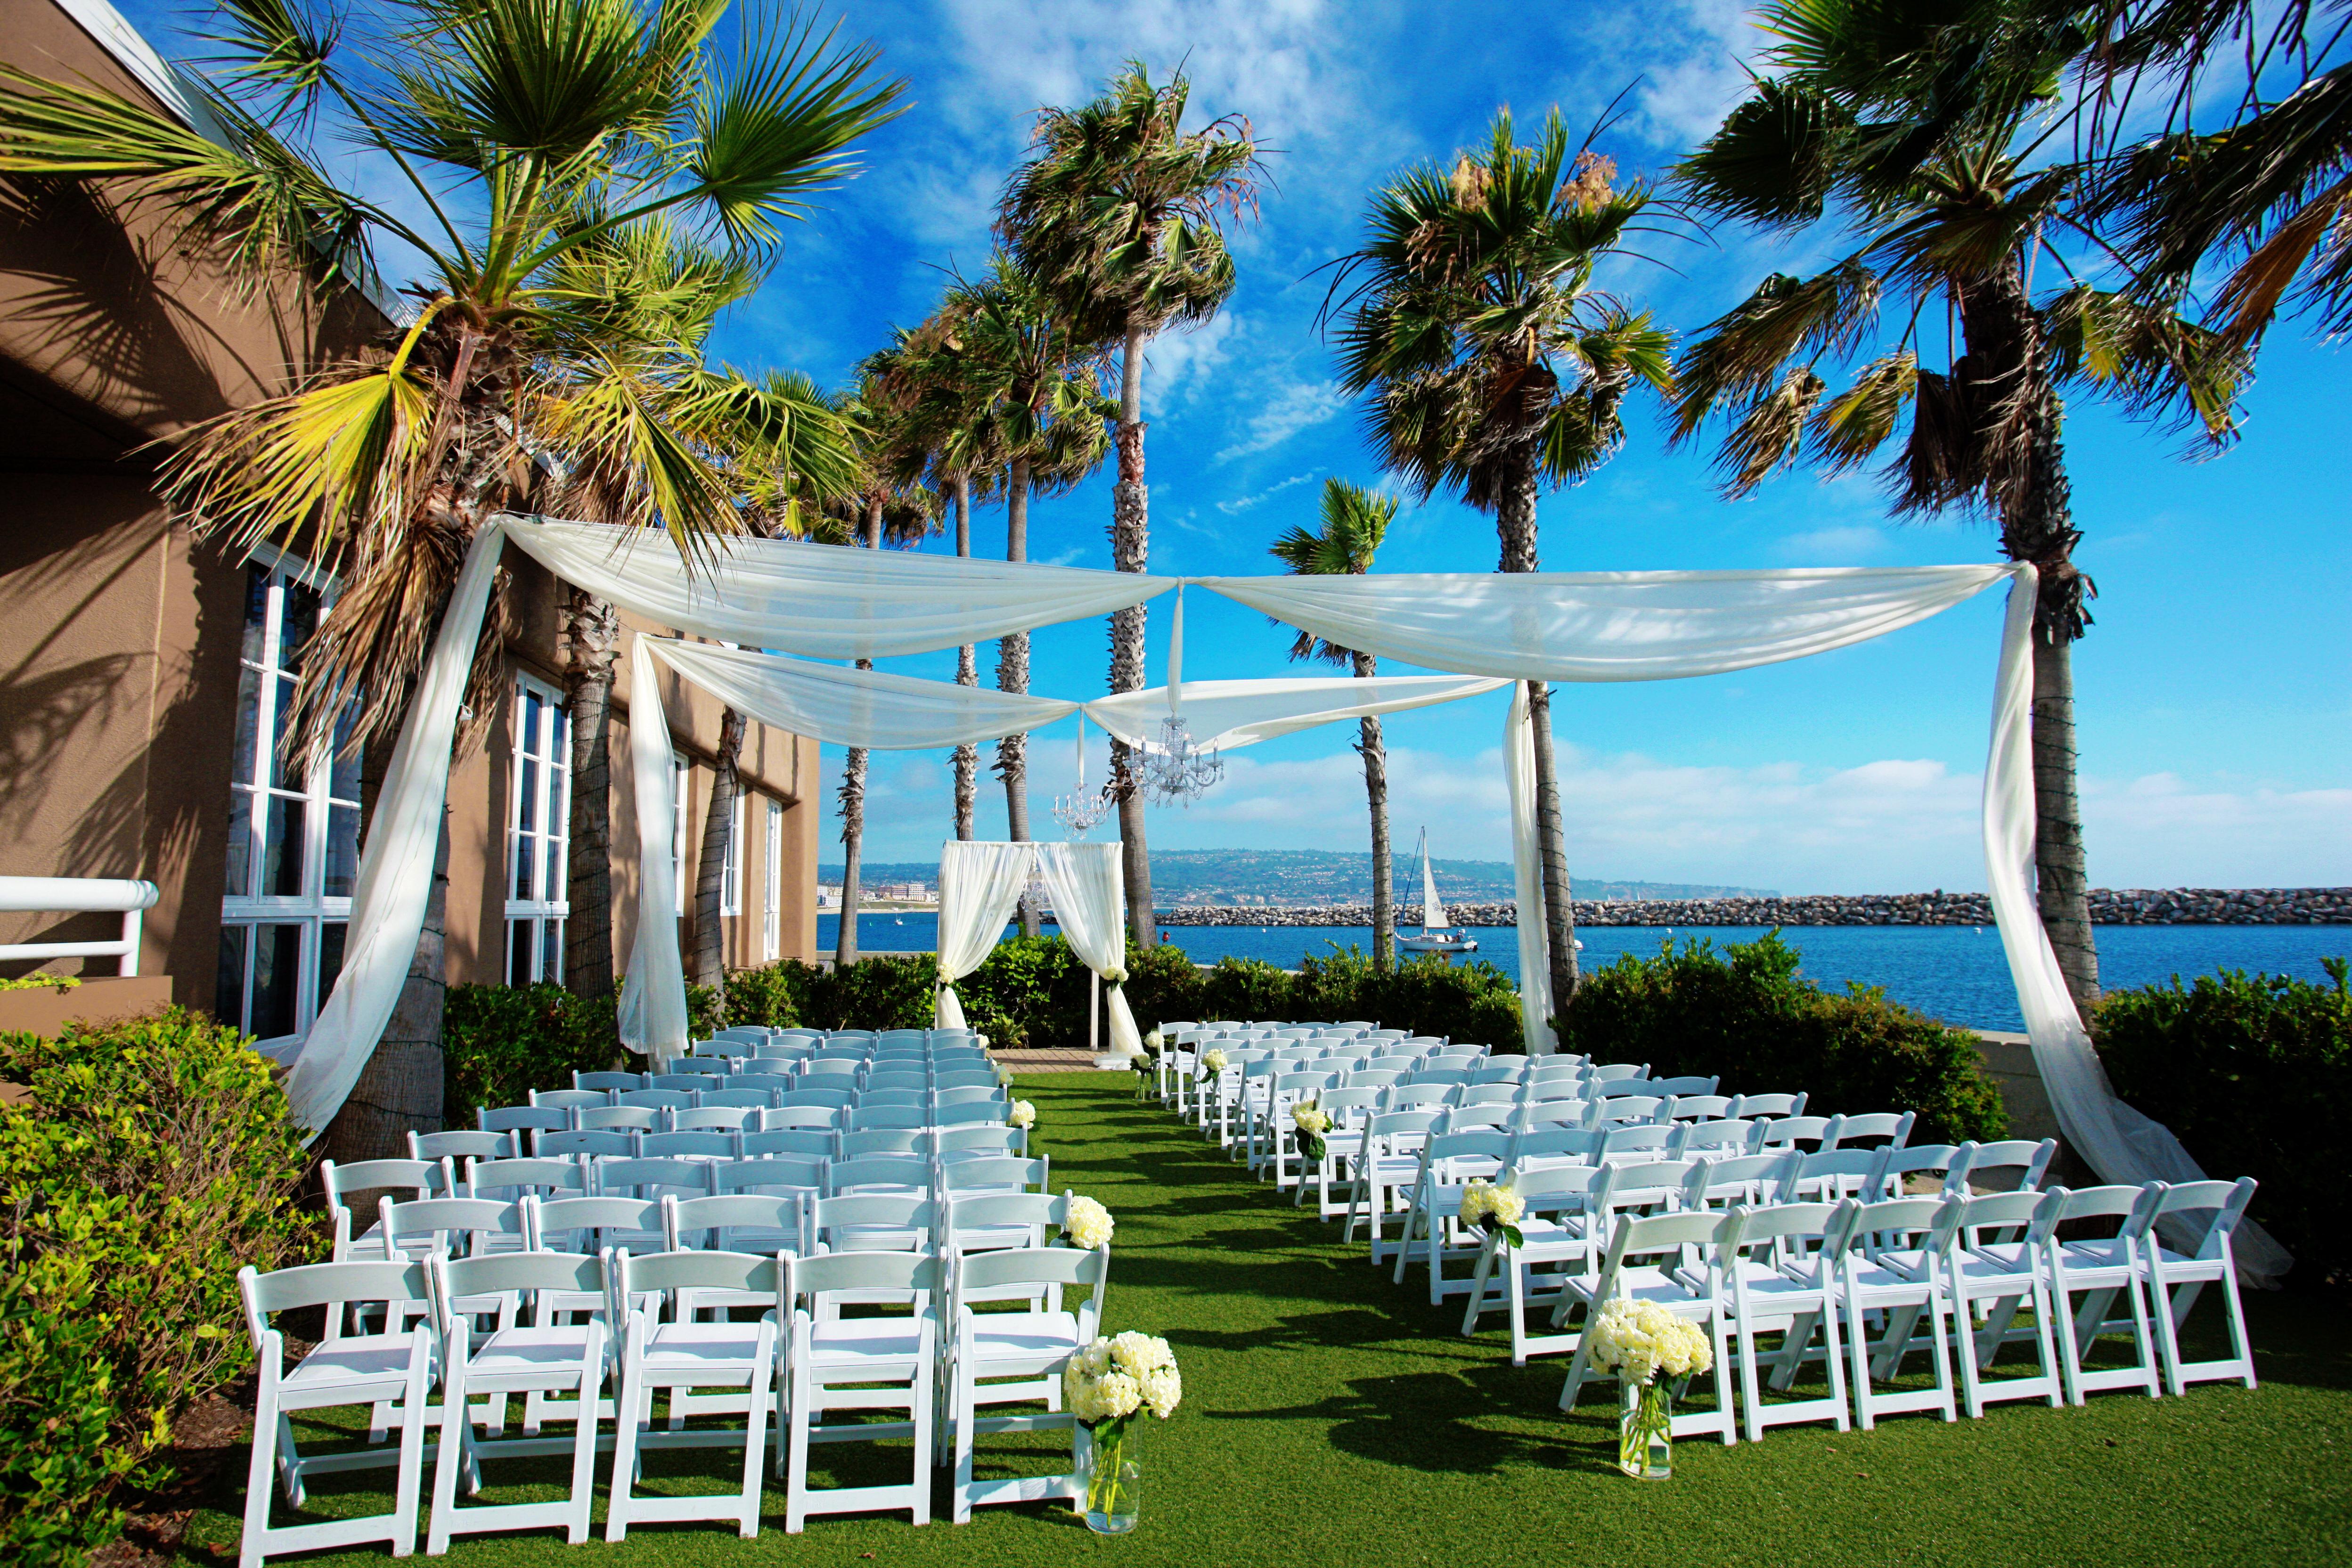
2125,906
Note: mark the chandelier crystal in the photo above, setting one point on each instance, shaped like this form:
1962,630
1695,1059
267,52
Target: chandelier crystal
1177,768
1080,813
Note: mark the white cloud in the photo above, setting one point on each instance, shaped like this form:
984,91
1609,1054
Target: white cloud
1178,362
1836,545
1301,406
1682,99
1245,503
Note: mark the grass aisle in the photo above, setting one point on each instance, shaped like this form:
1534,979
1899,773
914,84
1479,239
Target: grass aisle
1331,1418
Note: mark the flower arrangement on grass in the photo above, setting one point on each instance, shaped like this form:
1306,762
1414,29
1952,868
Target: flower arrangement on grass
1022,1115
1086,1224
1310,1121
1105,1387
1640,1340
1494,1210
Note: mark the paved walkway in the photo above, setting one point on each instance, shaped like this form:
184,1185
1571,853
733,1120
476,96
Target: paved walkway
1059,1059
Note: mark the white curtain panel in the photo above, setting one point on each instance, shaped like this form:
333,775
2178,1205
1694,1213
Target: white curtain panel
979,884
1608,625
845,706
1526,876
818,600
653,1018
1223,714
1089,892
396,877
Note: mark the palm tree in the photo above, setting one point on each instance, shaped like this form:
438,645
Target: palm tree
1495,367
521,135
1917,139
1119,213
1354,521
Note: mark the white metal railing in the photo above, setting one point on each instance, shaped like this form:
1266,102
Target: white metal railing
78,895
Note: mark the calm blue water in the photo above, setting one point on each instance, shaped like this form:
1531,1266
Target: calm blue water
1951,972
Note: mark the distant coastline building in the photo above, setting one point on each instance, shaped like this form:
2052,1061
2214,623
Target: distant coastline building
144,673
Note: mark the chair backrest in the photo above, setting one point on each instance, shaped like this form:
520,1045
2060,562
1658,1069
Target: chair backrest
568,1099
622,1117
690,1145
2222,1202
747,1098
1947,1159
1420,1096
715,1118
897,1093
1015,1271
1620,1072
608,1080
1005,1172
1689,1084
808,1280
457,1280
1699,1107
1646,1183
1548,1146
330,1285
773,1176
421,1178
969,1094
982,1113
2135,1207
704,1222
1344,1104
687,1082
1930,1221
2021,1162
510,1181
1851,1171
863,1116
873,1222
759,1083
1374,1078
1501,1092
814,1142
883,1172
1462,1118
1431,1078
885,1141
1892,1126
679,1275
952,1142
609,1143
1622,1141
1041,1211
829,1065
1748,1179
663,1099
1547,1189
1631,1109
650,1178
1648,1236
1829,1225
782,1116
1398,1129
452,1225
547,1221
831,1097
1794,1130
461,1146
1448,1153
2037,1211
521,1119
1722,1139
1749,1105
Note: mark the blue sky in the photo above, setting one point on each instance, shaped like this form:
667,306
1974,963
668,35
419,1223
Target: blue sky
2214,691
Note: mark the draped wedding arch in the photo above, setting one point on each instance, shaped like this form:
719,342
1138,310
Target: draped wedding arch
828,603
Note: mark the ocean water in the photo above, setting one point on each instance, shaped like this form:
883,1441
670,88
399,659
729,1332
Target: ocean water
1953,972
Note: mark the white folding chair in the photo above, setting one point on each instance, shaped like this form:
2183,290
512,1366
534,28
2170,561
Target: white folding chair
1556,1241
1449,1162
1021,1353
406,1179
2208,1260
1781,1265
836,1363
2103,1267
2006,1272
393,1370
1900,1285
1650,1259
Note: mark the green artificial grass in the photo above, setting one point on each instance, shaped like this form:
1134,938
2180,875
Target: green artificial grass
1330,1417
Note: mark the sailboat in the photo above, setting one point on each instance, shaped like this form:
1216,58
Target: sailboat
1437,936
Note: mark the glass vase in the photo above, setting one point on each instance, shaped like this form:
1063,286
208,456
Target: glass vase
1645,1434
1113,1498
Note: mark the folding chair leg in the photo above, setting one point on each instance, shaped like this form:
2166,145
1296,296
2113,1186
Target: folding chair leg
260,1475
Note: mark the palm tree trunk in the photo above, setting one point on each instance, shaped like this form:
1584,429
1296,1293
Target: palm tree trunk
1376,794
1130,548
710,868
852,833
967,756
592,628
1012,675
1515,520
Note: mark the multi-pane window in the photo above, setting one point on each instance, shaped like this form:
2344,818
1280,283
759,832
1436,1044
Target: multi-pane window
731,871
772,909
538,818
293,822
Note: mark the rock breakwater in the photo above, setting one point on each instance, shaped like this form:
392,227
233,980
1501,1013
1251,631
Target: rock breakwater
2124,906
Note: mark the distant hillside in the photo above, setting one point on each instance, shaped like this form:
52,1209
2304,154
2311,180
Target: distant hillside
1280,877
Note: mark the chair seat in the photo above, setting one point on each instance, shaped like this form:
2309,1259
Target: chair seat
521,1350
859,1342
1022,1336
674,1348
352,1361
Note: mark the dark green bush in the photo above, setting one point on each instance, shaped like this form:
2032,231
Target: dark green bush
151,1161
1747,1017
1163,983
498,1042
2253,1074
774,995
1245,988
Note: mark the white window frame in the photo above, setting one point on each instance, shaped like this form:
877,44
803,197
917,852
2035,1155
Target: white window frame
731,869
681,777
772,912
310,909
550,789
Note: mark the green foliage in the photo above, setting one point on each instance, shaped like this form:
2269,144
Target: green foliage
771,996
1028,993
1748,1016
1163,982
891,993
152,1158
706,1012
61,983
2253,1074
1245,988
498,1042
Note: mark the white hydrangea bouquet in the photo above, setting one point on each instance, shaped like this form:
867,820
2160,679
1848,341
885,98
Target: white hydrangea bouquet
1086,1224
1105,1387
1310,1121
1654,1353
1494,1210
1022,1115
1213,1063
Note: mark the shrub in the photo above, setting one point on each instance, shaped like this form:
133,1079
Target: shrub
773,996
1747,1017
1431,994
1245,988
153,1159
498,1042
1163,983
2253,1074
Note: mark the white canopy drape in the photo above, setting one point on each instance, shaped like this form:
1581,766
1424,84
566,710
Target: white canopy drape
1527,877
851,707
653,990
1085,884
1580,626
980,885
1223,714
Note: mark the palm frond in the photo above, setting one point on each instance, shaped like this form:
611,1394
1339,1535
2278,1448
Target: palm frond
1850,427
1769,434
1741,353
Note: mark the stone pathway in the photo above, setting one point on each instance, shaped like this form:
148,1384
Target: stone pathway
1059,1059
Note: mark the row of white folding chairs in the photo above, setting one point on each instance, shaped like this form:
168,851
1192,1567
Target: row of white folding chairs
668,1111
633,1324
1860,1287
1209,1099
801,1132
850,1060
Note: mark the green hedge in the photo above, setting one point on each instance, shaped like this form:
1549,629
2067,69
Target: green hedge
2253,1074
498,1042
1747,1017
152,1159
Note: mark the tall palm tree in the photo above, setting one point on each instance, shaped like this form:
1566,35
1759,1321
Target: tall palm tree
1118,214
1495,367
1918,139
1355,520
520,134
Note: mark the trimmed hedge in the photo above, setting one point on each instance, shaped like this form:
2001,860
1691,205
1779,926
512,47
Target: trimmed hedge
2253,1074
498,1042
1747,1017
153,1159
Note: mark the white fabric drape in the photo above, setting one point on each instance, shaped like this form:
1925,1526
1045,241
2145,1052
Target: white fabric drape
653,1017
395,879
818,601
2118,1141
1527,877
980,885
1223,714
1608,625
1084,885
849,707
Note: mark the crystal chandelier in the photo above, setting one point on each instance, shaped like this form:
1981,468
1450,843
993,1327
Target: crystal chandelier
1176,768
1078,812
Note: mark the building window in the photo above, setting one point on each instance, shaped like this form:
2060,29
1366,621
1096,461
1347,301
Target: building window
293,836
539,830
680,775
772,905
731,871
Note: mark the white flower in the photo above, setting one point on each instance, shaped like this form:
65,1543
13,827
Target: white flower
1163,1389
1138,1354
1111,1379
1023,1114
1638,1340
1089,1224
1309,1117
1213,1062
1506,1206
1154,1042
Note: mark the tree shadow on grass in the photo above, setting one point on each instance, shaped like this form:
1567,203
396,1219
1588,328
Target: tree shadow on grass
1451,1423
